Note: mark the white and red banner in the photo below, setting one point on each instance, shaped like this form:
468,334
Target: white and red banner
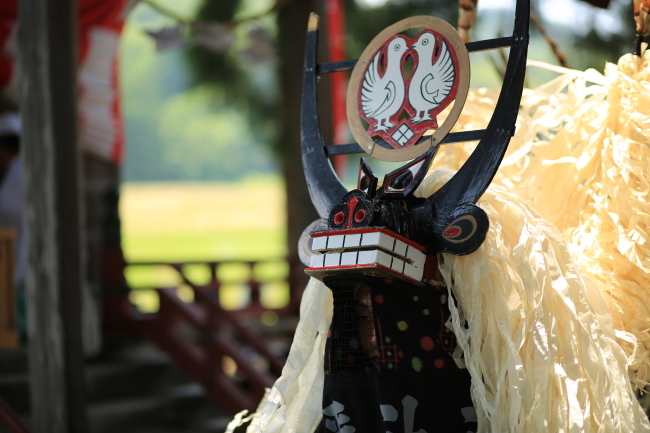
100,23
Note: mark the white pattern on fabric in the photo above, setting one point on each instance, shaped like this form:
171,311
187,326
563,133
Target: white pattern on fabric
335,410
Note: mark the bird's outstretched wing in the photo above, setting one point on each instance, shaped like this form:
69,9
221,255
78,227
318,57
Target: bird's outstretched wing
377,94
437,85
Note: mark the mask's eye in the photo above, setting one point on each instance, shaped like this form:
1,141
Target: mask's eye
397,47
403,181
367,181
424,42
364,183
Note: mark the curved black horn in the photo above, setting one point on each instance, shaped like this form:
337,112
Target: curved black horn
325,188
455,200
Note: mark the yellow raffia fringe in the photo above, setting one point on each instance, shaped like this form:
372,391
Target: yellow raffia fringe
536,336
581,157
539,341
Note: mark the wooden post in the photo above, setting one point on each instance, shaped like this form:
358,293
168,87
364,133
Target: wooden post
8,336
52,212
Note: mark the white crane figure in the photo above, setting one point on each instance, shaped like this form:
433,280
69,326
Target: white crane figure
382,97
431,82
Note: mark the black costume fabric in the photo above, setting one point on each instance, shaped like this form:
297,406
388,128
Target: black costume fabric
388,363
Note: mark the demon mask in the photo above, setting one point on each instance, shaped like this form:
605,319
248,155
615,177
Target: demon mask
388,360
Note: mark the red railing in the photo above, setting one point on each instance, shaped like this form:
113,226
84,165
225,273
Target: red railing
254,305
201,335
10,419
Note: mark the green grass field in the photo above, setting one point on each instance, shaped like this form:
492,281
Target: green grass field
190,221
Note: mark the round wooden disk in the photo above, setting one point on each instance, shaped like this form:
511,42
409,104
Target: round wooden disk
354,119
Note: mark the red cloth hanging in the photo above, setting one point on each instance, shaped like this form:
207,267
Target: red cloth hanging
100,24
338,80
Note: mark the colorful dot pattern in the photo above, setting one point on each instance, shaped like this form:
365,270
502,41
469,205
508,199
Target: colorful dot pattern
398,327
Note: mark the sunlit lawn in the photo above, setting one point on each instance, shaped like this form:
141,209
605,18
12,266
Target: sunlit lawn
181,222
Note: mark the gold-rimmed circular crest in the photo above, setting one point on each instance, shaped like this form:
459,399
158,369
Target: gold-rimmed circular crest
400,109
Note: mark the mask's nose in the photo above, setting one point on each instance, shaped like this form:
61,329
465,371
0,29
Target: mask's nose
356,211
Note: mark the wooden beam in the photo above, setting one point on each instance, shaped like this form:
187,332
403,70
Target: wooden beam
51,168
8,335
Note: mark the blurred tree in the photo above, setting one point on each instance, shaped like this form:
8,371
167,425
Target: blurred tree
273,104
275,116
363,22
598,36
225,72
292,32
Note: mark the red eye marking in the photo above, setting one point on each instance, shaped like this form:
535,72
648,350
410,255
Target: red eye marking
451,232
458,231
360,215
351,205
338,218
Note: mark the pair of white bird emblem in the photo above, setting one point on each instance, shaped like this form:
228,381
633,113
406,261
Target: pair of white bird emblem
382,97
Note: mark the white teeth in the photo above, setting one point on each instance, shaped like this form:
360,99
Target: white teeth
397,265
413,272
334,242
348,259
333,259
371,238
319,243
389,252
352,240
400,248
378,239
317,261
418,257
374,256
367,257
